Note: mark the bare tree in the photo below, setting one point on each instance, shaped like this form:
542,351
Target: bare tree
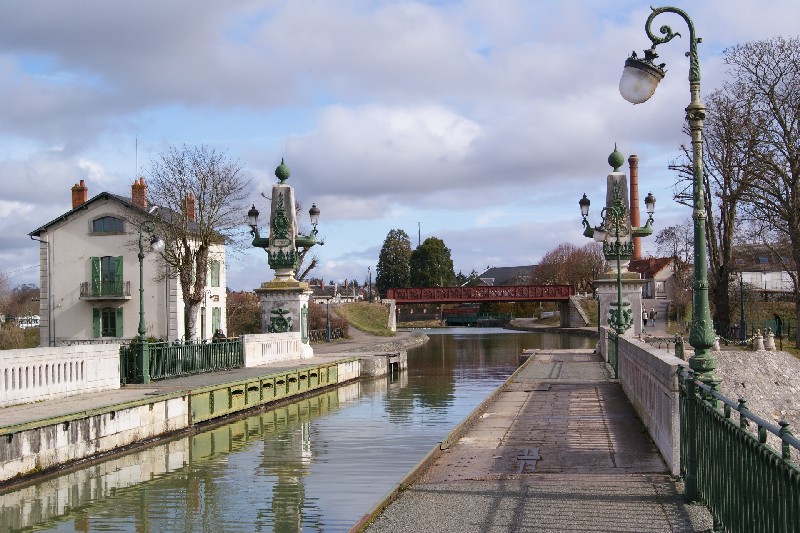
202,194
566,264
728,141
768,72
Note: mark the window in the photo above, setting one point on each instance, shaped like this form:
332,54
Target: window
107,276
107,225
214,273
216,317
763,260
107,321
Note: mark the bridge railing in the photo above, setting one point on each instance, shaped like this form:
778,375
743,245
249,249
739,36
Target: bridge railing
747,483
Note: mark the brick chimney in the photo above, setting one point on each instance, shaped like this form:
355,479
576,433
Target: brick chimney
79,193
633,161
189,207
139,193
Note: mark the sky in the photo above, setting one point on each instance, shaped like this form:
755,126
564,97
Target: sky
478,122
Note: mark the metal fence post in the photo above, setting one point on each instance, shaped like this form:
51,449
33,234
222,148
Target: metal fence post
143,361
689,434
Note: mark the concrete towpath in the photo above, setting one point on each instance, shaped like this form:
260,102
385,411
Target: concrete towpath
558,449
16,415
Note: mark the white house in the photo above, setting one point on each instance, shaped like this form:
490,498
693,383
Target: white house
89,275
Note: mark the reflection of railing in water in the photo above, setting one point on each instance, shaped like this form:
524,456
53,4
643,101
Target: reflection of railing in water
747,484
74,494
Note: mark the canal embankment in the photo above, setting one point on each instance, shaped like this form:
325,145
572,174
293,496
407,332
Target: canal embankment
43,437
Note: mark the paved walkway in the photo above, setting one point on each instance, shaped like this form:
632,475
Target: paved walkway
323,353
559,449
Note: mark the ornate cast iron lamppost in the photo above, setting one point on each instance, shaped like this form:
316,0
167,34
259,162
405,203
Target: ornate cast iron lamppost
639,81
142,350
284,300
614,220
282,245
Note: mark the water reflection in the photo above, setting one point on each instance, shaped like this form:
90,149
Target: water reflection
315,465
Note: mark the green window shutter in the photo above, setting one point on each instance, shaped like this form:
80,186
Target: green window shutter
118,275
119,322
96,321
95,276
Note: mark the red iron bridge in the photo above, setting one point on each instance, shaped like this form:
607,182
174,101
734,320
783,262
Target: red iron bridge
494,293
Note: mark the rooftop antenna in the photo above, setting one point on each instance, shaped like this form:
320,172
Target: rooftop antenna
419,235
136,172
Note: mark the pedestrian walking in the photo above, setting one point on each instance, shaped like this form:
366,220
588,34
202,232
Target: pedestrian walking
644,317
652,318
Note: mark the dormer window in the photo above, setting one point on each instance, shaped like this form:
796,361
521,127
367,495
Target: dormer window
107,224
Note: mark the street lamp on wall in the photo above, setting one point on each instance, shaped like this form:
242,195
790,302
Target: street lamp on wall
639,80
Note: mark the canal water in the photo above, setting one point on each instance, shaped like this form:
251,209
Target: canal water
318,464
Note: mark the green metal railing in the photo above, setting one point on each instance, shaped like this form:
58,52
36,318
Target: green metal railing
748,485
319,335
612,351
175,360
145,362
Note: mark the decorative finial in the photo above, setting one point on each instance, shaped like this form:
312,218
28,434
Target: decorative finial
616,159
282,172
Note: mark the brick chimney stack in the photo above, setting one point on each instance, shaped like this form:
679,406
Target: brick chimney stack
633,161
189,207
79,194
139,193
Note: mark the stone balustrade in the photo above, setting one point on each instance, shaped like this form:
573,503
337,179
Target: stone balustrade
648,376
35,374
264,348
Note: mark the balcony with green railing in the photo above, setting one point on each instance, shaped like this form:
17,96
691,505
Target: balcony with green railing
105,290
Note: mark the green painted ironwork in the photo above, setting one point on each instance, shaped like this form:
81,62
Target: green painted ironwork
748,484
142,362
321,335
175,360
613,352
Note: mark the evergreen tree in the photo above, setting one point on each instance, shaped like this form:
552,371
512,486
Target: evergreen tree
431,265
393,262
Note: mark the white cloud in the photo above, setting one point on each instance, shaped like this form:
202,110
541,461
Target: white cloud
462,115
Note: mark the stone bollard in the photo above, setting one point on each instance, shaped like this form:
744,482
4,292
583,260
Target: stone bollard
769,341
716,343
758,342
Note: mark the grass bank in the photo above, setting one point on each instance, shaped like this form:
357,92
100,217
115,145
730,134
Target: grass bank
367,317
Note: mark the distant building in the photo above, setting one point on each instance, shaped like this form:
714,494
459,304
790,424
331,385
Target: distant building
764,269
658,272
89,275
516,275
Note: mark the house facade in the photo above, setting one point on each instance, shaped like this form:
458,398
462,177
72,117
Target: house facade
89,276
764,270
658,272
